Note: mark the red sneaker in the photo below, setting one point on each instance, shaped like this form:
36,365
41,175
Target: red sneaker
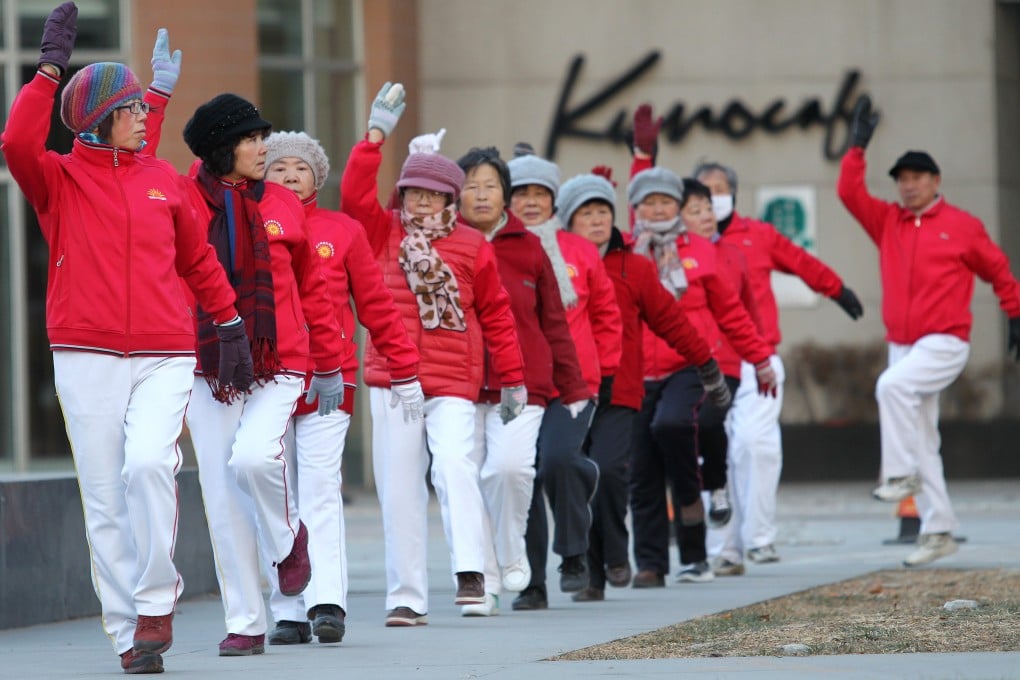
242,645
154,633
135,663
295,571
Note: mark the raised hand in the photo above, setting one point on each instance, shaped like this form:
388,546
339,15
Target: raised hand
387,108
166,68
58,36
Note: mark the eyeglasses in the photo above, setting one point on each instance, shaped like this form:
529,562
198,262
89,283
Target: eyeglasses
135,108
416,195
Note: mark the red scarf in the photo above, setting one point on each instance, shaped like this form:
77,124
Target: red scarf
242,246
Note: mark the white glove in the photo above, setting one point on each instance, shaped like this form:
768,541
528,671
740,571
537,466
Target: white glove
576,407
413,399
427,143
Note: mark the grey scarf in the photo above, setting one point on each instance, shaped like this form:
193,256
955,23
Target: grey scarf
547,233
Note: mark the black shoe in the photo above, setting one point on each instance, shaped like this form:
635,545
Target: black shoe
290,633
328,622
532,597
574,574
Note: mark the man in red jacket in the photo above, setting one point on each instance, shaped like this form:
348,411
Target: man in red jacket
929,252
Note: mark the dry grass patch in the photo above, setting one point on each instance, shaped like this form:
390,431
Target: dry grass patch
885,612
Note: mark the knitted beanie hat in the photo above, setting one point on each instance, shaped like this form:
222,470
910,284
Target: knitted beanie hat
298,145
220,119
655,181
94,92
578,190
431,171
531,169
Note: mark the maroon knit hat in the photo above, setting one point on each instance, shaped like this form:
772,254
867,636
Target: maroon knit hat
431,171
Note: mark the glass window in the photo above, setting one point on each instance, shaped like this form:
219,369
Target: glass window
333,30
281,93
98,23
6,429
279,27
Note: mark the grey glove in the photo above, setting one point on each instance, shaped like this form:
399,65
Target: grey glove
387,108
511,402
715,386
166,69
59,32
863,123
330,391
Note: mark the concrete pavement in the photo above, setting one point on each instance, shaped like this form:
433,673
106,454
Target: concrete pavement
829,532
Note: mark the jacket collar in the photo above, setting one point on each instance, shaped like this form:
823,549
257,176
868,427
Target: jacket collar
97,153
906,214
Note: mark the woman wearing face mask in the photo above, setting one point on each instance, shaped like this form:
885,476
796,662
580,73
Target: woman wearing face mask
666,443
585,203
506,453
568,477
445,282
315,445
119,326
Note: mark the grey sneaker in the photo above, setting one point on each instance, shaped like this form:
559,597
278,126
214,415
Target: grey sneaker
699,572
719,509
895,489
930,547
763,555
723,567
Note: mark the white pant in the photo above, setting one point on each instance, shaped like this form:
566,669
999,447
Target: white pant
908,411
315,449
400,461
243,473
123,419
506,456
755,458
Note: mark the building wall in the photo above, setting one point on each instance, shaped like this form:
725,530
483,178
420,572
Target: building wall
492,74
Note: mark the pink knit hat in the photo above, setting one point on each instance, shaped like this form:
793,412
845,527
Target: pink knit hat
431,171
94,92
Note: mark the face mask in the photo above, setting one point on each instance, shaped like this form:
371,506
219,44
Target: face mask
722,206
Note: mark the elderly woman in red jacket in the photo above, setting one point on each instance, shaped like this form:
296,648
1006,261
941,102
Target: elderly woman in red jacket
445,281
316,446
551,368
119,325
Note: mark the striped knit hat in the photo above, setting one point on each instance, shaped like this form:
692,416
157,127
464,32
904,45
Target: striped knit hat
94,92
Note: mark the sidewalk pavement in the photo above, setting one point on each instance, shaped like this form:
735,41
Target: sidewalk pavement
828,532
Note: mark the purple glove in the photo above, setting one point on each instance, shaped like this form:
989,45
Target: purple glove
236,367
646,130
59,33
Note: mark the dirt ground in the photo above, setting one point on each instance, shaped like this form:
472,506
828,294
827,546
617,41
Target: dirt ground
885,612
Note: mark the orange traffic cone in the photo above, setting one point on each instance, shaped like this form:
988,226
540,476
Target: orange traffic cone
910,523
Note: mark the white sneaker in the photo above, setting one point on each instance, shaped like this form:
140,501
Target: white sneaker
895,489
723,567
699,572
719,509
488,608
930,547
517,576
763,555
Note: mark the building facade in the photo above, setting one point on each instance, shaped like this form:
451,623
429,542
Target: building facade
766,86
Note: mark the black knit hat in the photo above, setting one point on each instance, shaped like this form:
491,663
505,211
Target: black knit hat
223,117
915,160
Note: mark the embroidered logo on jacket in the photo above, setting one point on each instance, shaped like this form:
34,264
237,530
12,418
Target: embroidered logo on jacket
944,236
572,270
689,263
273,228
325,249
155,194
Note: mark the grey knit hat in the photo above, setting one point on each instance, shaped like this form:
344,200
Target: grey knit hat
298,145
580,189
655,181
531,169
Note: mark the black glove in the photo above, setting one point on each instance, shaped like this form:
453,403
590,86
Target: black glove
849,302
714,384
1014,337
863,123
59,32
606,390
236,367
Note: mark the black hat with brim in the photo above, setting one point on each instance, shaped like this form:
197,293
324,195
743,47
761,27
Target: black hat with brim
224,117
915,160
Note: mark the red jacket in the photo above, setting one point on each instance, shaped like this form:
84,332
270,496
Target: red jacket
643,301
306,319
595,319
766,250
352,272
451,363
120,232
927,262
551,365
734,267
